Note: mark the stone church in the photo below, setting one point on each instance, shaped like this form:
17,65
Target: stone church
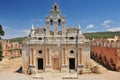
56,47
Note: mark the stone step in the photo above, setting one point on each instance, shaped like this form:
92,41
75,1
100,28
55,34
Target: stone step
70,76
99,65
55,71
38,76
55,76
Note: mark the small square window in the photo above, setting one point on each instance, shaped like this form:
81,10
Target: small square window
71,38
39,38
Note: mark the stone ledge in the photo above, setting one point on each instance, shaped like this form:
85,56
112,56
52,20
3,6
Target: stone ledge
69,77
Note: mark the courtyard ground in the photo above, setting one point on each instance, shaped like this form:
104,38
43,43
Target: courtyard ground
7,68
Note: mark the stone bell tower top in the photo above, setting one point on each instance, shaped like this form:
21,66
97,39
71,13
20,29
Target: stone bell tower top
55,21
55,9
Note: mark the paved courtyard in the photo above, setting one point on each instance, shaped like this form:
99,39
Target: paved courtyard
59,76
8,67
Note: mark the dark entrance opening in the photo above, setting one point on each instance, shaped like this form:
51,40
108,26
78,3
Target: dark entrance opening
40,64
72,63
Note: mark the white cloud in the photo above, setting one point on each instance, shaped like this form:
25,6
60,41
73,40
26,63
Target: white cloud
5,27
13,33
114,29
107,23
26,31
90,26
91,31
37,19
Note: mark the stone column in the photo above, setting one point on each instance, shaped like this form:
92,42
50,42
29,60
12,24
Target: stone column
30,57
63,56
47,28
50,58
80,56
34,57
63,28
46,55
55,28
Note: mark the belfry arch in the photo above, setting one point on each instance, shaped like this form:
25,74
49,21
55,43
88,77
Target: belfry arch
55,22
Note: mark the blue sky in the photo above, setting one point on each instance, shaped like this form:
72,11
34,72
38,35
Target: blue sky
17,16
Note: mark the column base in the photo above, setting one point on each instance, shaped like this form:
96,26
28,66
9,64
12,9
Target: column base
64,68
48,68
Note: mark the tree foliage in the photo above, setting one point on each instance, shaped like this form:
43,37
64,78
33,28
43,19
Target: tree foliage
0,52
1,34
103,35
19,39
1,31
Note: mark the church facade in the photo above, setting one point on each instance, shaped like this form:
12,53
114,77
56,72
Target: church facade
56,47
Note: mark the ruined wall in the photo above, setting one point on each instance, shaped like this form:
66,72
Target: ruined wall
11,49
107,56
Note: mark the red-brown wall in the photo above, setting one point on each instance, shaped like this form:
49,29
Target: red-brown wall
109,53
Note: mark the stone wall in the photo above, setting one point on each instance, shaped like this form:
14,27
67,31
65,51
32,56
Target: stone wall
11,49
106,53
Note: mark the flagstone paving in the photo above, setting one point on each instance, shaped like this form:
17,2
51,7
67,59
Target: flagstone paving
7,69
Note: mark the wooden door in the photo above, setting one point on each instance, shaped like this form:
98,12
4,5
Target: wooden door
55,63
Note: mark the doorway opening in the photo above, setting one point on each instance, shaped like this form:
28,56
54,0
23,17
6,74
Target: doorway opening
72,63
56,63
40,63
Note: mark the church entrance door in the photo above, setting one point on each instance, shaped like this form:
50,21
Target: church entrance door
40,63
72,63
55,63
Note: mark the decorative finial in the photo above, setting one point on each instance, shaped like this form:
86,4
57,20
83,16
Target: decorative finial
32,26
79,26
55,2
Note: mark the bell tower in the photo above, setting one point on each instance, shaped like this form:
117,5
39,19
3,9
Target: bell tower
55,20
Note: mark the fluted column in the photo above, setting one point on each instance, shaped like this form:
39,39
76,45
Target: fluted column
34,57
30,57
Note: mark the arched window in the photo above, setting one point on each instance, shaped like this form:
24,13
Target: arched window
105,58
6,46
16,45
55,8
11,45
51,22
59,22
111,60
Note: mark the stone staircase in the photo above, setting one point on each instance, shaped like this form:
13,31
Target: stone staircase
55,76
102,68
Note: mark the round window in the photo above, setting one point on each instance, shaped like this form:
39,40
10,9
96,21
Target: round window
71,51
40,51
